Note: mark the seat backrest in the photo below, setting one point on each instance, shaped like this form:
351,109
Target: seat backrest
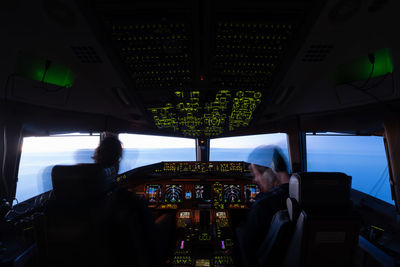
92,223
273,249
327,228
321,192
75,215
78,183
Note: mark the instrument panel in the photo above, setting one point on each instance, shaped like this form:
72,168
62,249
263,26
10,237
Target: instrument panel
202,167
218,194
203,196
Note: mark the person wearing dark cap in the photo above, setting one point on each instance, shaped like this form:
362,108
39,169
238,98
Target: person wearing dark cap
269,169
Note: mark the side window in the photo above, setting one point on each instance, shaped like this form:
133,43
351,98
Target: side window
40,154
362,157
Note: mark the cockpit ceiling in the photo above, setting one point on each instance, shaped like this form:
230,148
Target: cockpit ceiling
197,69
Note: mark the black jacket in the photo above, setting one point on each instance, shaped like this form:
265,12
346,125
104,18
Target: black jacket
252,234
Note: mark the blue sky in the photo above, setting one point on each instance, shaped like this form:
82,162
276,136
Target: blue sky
361,157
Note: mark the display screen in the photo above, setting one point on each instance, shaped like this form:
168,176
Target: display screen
217,196
232,193
153,193
184,215
173,193
202,263
203,192
250,192
220,214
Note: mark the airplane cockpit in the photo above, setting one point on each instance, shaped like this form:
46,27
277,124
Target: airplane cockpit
204,196
191,89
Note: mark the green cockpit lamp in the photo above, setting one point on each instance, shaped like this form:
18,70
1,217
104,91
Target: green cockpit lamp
44,71
365,67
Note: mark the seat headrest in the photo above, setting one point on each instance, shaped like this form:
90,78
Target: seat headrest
319,190
81,182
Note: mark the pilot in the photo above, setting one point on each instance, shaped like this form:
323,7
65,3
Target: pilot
132,229
269,169
109,152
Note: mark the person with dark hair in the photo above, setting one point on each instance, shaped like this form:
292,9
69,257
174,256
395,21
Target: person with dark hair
109,152
131,227
269,169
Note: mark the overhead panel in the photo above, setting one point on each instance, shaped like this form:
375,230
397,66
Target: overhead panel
247,49
198,69
157,52
193,115
248,52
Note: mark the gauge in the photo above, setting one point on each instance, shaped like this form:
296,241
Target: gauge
250,192
173,193
199,189
232,193
203,192
153,193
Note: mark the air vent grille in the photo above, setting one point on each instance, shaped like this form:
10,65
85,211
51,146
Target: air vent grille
317,53
86,54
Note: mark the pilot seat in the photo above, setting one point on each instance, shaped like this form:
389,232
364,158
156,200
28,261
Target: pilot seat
320,227
75,216
89,221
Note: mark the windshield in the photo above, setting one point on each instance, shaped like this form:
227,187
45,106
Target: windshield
40,154
140,150
239,148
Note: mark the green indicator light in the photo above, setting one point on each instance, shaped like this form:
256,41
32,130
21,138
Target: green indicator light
35,68
361,67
